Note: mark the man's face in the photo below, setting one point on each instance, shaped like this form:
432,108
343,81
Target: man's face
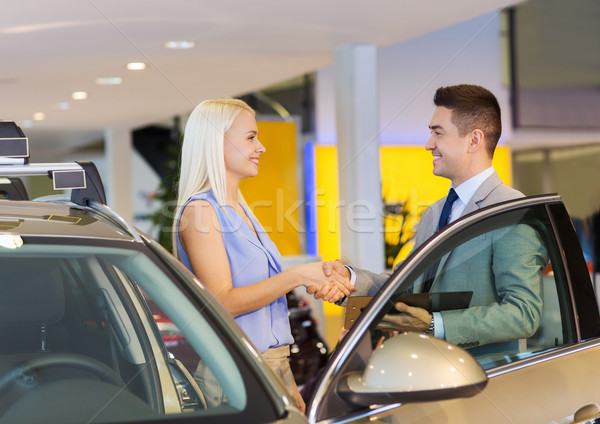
449,149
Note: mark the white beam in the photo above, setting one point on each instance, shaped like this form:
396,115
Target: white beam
357,118
118,186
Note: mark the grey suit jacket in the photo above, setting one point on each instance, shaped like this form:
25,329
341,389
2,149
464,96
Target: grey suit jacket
503,268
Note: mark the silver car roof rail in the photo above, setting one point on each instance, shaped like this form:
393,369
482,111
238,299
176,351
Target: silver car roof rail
82,178
116,219
100,209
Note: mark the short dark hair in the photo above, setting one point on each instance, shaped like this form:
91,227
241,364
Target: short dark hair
473,107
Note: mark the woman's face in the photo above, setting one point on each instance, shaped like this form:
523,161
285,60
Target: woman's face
241,147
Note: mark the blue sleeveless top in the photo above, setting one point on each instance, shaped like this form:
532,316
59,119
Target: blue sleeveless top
250,260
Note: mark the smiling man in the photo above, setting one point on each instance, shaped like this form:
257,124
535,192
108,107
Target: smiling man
465,129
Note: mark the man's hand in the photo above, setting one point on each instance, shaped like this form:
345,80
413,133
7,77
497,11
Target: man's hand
326,293
329,293
411,319
336,266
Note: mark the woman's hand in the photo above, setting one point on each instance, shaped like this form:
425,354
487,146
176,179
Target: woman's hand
331,288
328,293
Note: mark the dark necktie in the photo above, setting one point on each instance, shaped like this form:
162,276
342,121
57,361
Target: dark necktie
450,199
444,217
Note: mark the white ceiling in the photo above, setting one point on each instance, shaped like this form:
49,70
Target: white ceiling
51,48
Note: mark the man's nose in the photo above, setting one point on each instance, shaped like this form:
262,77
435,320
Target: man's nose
430,145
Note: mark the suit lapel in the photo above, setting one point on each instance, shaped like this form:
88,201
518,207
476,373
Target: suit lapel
436,210
482,193
440,269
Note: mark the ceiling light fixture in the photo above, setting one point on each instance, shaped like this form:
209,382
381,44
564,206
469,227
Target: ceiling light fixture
79,95
180,44
136,66
39,116
109,80
64,105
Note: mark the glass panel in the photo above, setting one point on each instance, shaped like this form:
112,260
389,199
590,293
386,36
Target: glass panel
498,289
76,331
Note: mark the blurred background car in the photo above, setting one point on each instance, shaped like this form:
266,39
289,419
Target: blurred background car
309,352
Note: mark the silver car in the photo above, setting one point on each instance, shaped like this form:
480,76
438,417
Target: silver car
81,292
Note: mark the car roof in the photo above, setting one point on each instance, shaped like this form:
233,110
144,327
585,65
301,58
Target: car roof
41,218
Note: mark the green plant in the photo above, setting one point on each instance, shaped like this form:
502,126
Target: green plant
397,230
167,195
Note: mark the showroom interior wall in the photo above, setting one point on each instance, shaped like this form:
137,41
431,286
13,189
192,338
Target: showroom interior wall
545,160
471,52
410,72
408,75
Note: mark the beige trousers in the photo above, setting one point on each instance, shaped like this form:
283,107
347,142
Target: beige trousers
278,359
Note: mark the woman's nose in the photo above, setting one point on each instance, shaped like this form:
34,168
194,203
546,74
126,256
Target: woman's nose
260,148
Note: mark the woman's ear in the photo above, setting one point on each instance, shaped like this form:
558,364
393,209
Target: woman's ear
477,141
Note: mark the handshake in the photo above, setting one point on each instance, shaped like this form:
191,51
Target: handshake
329,281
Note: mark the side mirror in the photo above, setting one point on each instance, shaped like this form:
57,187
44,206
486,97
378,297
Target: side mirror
413,367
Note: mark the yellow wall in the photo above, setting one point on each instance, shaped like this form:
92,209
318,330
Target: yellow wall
273,195
406,176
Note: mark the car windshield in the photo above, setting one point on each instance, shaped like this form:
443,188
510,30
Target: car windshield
77,334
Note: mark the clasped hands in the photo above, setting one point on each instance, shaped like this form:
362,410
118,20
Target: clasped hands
333,283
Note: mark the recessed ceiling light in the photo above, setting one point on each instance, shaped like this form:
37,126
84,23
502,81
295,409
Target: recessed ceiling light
109,80
39,116
180,44
64,105
79,95
136,66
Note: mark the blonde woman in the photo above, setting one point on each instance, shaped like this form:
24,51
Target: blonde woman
218,238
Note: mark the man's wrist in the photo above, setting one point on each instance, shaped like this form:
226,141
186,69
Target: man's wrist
352,275
431,329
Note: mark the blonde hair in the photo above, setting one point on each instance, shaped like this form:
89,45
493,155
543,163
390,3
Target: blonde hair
202,157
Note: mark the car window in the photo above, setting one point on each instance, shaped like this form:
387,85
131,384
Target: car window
80,322
499,288
498,284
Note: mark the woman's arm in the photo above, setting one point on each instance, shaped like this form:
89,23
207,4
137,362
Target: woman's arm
201,238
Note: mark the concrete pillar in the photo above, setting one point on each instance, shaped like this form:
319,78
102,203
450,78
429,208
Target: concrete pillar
357,119
118,184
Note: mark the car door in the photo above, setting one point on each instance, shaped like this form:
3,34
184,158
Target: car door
531,327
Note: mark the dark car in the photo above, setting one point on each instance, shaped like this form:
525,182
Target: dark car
79,341
309,352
